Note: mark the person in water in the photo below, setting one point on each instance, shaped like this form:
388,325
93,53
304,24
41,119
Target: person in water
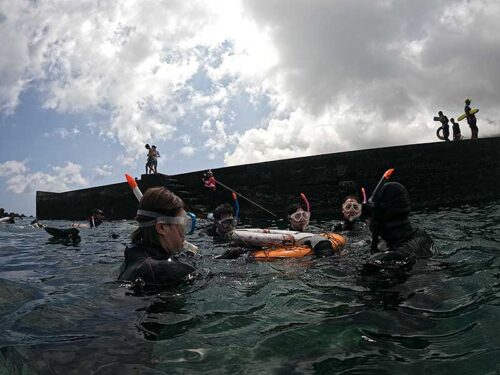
444,124
298,217
390,221
471,119
457,135
96,218
36,224
352,210
163,223
224,221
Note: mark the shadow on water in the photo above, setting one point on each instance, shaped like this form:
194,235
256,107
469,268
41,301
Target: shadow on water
63,312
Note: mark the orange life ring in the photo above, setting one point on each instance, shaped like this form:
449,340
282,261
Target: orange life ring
281,252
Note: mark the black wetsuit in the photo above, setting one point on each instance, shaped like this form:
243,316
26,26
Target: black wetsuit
94,222
446,128
390,221
153,266
471,120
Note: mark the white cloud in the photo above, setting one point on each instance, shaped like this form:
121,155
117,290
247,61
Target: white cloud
11,167
63,133
188,150
21,180
336,75
102,171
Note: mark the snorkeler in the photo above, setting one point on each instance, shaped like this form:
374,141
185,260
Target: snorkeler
224,221
405,244
163,225
352,210
299,214
96,218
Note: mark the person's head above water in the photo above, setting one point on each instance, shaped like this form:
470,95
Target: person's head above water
224,219
391,211
351,208
162,221
298,217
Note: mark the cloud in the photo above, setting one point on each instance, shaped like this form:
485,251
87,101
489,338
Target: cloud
11,167
335,75
63,133
102,171
352,75
133,61
65,177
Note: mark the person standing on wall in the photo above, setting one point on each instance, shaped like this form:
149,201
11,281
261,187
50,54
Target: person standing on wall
471,119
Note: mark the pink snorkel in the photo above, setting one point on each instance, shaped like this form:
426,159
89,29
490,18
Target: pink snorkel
308,206
363,192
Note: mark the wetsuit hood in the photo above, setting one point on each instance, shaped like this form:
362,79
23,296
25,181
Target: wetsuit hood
392,209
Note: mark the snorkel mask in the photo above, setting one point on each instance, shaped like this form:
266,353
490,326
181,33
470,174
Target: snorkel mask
186,221
351,209
300,220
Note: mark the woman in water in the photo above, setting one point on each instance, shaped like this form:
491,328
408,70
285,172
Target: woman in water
163,225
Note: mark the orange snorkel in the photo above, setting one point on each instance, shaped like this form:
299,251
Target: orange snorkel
133,185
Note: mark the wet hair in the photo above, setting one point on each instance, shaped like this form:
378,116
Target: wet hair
161,200
294,207
223,209
350,197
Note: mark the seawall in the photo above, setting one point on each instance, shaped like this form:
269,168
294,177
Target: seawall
436,174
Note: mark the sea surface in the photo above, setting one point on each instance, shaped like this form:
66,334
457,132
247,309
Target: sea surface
62,310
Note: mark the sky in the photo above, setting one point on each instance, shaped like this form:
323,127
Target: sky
84,85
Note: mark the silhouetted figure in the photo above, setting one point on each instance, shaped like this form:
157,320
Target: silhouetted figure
456,130
471,119
444,125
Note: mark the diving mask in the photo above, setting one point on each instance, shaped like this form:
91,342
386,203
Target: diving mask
187,221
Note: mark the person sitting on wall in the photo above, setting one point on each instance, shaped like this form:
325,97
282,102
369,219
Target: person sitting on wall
224,221
405,243
151,261
457,135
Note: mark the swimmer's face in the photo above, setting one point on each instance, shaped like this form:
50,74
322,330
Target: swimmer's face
351,209
171,235
225,224
299,220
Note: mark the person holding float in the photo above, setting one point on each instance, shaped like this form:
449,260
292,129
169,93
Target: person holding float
270,244
445,127
470,114
152,259
390,209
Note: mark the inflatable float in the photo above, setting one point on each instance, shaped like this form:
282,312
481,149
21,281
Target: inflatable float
279,244
464,115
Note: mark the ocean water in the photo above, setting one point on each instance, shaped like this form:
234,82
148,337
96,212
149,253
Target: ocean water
62,310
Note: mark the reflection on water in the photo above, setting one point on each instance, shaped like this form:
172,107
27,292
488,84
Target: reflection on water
62,310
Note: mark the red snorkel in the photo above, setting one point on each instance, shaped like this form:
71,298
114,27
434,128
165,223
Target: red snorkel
308,206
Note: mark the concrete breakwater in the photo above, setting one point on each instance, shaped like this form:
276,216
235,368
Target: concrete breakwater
436,174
